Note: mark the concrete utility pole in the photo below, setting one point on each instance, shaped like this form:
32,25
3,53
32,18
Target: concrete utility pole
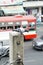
16,48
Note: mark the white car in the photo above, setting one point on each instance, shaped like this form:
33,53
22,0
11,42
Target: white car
4,48
4,43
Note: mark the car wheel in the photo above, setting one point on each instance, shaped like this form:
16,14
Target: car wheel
42,48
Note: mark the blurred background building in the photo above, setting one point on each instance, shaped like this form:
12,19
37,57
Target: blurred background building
34,7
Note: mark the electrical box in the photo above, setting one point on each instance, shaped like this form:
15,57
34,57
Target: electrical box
16,48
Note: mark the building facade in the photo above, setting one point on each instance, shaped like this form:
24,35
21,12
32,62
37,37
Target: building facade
34,7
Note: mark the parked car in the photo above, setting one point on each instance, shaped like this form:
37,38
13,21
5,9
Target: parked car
4,48
37,43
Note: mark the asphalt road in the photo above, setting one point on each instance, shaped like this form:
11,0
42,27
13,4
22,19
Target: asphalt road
31,56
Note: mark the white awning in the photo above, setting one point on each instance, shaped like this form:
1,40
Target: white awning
33,4
13,10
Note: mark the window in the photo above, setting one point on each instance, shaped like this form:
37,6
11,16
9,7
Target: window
2,23
24,24
32,26
9,27
10,23
17,25
3,28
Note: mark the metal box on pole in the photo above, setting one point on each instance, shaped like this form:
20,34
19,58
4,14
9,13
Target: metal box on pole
16,48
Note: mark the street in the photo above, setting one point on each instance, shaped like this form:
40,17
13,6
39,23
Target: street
31,56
